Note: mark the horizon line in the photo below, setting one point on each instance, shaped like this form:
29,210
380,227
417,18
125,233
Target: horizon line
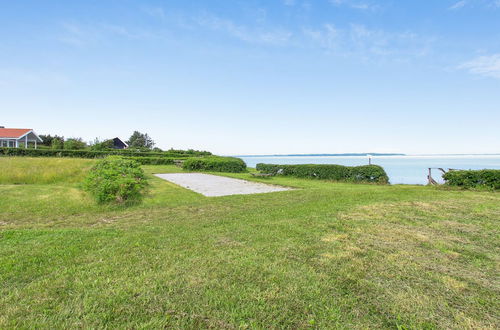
355,154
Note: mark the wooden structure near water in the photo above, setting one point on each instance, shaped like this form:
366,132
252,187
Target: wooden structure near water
430,179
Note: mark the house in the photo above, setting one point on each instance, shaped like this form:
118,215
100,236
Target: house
18,137
119,144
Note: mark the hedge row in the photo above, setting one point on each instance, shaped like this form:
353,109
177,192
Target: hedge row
153,160
87,153
368,173
215,164
474,179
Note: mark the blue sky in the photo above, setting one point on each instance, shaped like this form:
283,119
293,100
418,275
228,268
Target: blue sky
257,76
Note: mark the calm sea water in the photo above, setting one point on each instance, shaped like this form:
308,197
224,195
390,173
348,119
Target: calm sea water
401,169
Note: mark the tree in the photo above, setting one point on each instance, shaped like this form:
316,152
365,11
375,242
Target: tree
74,144
57,142
140,140
47,139
101,145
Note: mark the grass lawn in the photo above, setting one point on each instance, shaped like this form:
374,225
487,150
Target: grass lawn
325,255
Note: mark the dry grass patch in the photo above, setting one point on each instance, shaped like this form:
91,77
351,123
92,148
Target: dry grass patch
24,170
425,261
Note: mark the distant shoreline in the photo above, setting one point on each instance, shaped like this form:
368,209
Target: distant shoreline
365,155
323,155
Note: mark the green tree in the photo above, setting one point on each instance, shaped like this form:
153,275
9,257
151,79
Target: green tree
47,139
57,142
140,140
74,144
101,145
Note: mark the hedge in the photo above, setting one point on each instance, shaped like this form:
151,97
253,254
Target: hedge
215,164
368,173
153,160
87,153
489,179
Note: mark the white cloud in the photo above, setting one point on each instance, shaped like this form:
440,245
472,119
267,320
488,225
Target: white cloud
82,35
484,4
274,36
156,12
358,40
487,66
458,5
354,4
328,37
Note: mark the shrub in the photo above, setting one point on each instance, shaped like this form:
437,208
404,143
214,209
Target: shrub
74,144
179,154
368,173
473,179
191,152
215,164
116,180
57,143
101,145
154,160
47,140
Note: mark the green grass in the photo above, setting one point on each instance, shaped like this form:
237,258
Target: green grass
325,255
21,170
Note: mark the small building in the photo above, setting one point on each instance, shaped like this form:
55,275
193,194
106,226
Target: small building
18,137
119,144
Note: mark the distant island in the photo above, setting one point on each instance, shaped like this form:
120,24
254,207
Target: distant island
324,155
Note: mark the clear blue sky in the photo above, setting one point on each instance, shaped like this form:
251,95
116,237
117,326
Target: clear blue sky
257,76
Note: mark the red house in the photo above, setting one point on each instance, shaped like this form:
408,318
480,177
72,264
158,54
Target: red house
17,137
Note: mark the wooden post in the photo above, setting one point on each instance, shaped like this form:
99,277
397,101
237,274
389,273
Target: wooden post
429,177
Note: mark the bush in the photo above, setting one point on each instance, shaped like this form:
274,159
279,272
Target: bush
179,154
116,180
473,179
57,143
153,160
215,164
74,144
102,145
368,173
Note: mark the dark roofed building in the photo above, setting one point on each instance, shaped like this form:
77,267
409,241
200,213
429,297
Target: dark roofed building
119,144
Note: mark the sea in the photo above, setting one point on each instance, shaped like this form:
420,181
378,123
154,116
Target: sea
408,169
